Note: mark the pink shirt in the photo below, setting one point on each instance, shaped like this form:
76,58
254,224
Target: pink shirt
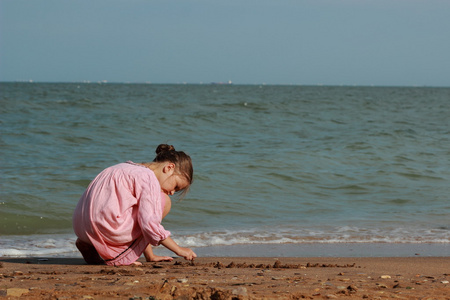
122,204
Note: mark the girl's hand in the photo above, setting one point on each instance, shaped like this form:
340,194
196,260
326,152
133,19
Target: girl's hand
187,253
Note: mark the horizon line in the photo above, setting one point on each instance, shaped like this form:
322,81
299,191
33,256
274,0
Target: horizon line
217,83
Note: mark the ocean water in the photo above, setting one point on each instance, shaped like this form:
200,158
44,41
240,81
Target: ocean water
273,165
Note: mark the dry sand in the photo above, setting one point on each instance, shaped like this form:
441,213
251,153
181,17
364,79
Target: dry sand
229,278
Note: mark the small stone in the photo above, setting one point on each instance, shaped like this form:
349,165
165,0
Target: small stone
18,273
182,280
16,292
330,296
352,289
385,276
444,282
240,291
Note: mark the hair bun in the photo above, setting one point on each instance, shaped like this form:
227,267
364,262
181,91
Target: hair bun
163,148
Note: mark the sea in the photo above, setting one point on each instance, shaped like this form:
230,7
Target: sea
279,170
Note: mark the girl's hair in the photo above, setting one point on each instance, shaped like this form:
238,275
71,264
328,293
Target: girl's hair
182,161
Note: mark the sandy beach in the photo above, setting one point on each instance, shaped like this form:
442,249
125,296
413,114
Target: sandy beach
229,278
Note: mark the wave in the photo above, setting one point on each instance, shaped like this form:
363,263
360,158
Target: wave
64,244
344,234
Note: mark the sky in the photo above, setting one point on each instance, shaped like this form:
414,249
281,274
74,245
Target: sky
329,42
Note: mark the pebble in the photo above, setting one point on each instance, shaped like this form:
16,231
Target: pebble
331,296
182,280
352,288
385,276
444,282
17,273
240,291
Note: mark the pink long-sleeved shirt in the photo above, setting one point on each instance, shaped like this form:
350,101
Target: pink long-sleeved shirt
122,204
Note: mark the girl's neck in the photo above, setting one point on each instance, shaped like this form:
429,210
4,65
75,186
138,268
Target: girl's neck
151,165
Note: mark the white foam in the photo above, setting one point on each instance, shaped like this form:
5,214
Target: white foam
38,245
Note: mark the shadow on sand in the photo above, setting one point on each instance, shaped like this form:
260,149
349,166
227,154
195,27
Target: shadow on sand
45,260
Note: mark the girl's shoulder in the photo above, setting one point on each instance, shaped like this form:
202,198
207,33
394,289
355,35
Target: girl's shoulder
129,167
129,162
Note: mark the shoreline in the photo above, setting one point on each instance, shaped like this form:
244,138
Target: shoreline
229,278
322,250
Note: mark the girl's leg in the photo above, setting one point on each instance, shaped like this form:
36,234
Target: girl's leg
89,253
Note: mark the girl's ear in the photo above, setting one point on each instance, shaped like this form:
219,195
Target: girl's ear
169,168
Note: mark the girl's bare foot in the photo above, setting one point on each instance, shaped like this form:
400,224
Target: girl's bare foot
89,253
157,258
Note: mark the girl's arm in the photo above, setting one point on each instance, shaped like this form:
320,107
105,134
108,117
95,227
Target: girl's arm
170,244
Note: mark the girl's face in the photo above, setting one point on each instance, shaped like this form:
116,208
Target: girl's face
171,182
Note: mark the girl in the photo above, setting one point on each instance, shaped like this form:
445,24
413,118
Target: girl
119,215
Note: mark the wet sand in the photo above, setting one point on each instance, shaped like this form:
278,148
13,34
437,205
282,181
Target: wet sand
229,278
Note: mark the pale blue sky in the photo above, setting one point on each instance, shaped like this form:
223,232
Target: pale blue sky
331,42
